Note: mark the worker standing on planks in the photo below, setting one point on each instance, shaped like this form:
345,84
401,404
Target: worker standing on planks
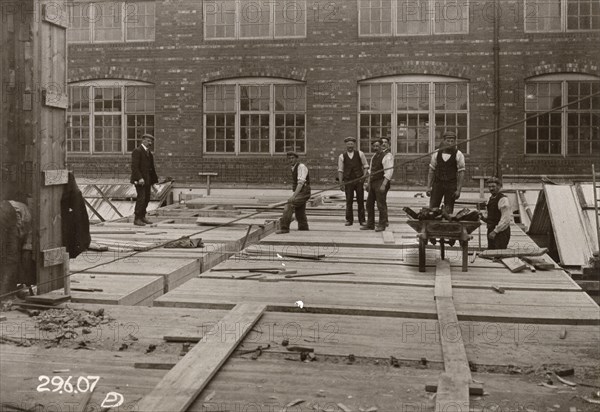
446,173
380,175
143,176
498,217
352,166
297,203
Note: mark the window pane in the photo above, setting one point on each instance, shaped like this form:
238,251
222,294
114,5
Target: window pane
140,21
451,16
107,134
79,23
219,19
108,21
254,18
542,15
414,17
290,18
375,17
413,96
220,98
254,98
372,128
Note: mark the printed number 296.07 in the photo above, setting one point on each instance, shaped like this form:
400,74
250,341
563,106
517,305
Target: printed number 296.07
60,384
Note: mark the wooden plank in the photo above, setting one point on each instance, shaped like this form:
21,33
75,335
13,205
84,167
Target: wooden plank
55,177
452,394
55,100
53,257
443,280
388,237
514,264
53,13
506,253
182,384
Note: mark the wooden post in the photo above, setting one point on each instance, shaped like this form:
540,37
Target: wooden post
67,274
33,75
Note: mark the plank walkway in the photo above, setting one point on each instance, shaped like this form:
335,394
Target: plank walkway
379,309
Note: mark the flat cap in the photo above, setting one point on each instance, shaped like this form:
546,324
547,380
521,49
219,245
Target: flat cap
350,139
449,134
290,153
147,136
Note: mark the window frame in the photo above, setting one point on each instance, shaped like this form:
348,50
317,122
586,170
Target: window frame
431,81
253,81
431,21
564,6
89,88
93,5
237,22
563,79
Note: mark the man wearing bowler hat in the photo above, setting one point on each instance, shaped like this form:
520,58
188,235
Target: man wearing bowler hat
143,176
352,168
297,203
446,173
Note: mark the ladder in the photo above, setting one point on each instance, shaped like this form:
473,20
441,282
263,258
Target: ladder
596,206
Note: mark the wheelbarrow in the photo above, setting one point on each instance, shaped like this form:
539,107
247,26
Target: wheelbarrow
443,230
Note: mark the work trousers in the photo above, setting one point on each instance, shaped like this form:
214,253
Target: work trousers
501,240
298,208
380,197
445,191
351,189
143,198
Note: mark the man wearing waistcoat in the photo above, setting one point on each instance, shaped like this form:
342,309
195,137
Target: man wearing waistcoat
498,217
297,203
380,175
143,176
446,173
352,166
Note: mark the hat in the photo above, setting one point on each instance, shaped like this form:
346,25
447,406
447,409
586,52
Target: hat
449,134
350,139
147,136
494,179
290,153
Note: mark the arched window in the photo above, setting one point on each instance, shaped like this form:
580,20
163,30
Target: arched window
572,130
254,116
109,116
413,111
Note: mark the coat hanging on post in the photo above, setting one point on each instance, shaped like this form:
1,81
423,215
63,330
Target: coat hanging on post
75,220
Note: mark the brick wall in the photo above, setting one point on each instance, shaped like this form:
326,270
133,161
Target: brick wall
331,60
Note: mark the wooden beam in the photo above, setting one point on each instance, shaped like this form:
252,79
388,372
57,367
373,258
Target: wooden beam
388,237
453,384
505,253
53,257
182,384
443,280
55,177
514,264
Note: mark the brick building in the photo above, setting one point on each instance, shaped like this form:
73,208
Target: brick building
229,86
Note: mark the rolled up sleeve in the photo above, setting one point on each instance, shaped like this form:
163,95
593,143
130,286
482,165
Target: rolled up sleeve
302,173
505,215
388,166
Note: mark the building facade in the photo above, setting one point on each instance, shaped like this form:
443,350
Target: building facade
229,86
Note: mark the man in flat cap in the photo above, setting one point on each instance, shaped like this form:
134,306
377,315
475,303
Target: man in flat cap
499,216
446,173
297,203
352,168
380,176
143,176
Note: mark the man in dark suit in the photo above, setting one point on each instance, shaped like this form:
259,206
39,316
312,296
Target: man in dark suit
143,176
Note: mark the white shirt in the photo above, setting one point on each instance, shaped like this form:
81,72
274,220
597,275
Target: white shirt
388,165
302,173
460,160
505,215
363,160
